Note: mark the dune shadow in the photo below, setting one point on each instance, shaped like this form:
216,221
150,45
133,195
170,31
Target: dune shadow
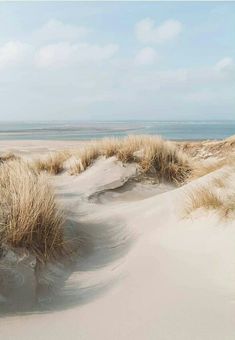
97,249
131,191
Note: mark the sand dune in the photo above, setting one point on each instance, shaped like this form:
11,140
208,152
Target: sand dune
141,269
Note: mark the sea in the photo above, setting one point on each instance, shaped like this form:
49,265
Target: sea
86,130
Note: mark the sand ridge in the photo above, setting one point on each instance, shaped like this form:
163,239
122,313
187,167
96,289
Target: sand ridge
143,271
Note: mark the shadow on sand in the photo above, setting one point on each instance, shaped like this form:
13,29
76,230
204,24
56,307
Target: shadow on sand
97,248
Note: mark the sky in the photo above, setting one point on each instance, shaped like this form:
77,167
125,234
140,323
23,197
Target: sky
117,60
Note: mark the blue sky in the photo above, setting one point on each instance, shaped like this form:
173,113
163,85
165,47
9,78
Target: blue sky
117,60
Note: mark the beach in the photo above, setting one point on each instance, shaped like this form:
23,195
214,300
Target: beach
117,170
143,267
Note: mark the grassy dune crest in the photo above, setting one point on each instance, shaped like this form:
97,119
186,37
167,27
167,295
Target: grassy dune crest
207,149
201,169
202,198
154,155
208,199
165,160
53,164
170,161
86,157
29,216
7,157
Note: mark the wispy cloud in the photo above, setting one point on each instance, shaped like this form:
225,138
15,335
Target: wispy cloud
148,32
13,53
64,53
57,31
146,56
225,64
117,63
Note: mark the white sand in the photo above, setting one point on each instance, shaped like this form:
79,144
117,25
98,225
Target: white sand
144,272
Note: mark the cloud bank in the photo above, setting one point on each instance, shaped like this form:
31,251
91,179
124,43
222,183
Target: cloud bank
147,32
65,71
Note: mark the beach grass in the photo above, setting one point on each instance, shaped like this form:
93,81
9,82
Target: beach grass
86,157
165,160
154,155
202,198
29,215
201,168
9,156
208,199
53,164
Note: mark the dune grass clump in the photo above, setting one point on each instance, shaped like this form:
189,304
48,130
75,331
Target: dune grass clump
207,199
109,146
154,155
170,161
230,140
208,149
128,147
165,160
202,198
202,169
123,149
219,182
29,216
53,164
8,157
86,157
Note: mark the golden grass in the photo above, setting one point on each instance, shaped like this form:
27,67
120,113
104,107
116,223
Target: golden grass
29,216
7,157
53,164
202,198
86,157
218,182
207,199
109,146
216,195
202,169
127,147
169,161
163,158
207,149
231,140
154,155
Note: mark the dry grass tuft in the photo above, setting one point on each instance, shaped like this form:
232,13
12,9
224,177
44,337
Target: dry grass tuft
202,198
207,149
169,163
154,155
8,157
231,140
109,146
207,199
202,169
29,216
163,159
53,164
218,182
127,147
86,157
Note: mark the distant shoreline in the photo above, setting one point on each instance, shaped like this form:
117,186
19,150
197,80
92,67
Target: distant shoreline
94,139
85,131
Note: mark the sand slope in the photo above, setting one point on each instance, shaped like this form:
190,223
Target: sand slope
143,271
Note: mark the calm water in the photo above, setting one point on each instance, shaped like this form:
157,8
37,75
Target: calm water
194,130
